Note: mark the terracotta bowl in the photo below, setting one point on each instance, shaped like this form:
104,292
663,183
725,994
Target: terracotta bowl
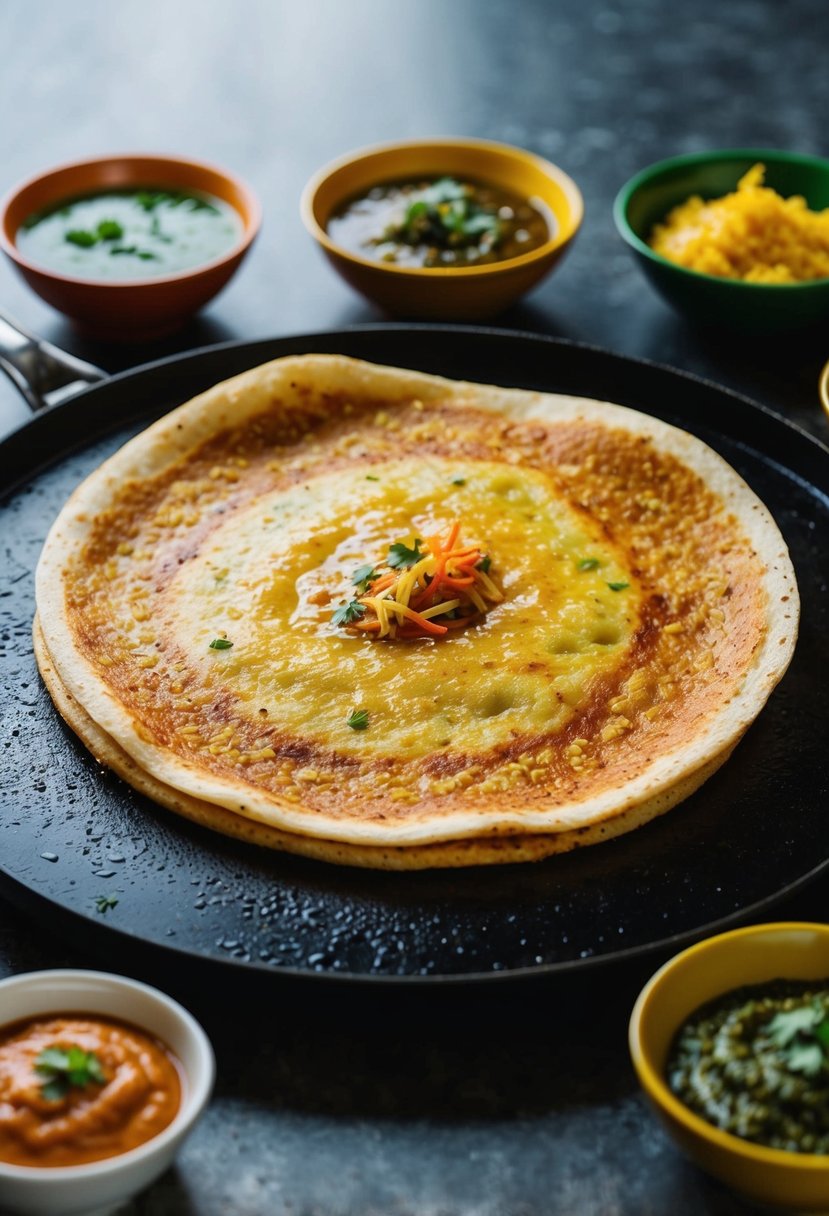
134,310
457,293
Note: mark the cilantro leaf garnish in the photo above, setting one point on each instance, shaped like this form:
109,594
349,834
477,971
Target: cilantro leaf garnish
80,236
220,644
357,719
144,254
52,1059
802,1035
348,613
481,221
806,1058
106,230
148,199
618,586
444,190
588,563
103,903
485,563
400,555
64,1067
417,210
109,230
786,1026
446,214
458,481
362,576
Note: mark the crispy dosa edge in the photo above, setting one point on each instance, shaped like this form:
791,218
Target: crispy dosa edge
485,850
244,396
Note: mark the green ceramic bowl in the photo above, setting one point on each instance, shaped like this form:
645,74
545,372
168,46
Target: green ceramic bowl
752,308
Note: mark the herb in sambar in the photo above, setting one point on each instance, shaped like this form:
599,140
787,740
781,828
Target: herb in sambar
755,1063
440,224
130,234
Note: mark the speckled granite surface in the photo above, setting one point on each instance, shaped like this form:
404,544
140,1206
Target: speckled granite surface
520,1102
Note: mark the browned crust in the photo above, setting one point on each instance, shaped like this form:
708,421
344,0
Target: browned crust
495,849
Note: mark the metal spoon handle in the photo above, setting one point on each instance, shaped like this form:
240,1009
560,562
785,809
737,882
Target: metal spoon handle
43,373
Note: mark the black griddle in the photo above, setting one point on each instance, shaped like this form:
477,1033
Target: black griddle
70,831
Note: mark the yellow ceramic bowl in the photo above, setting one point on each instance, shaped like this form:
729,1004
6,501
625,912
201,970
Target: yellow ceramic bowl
756,955
467,293
823,388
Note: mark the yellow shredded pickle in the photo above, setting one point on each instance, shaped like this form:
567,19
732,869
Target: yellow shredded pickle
753,234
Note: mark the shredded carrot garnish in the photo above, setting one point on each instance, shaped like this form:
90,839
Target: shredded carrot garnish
435,586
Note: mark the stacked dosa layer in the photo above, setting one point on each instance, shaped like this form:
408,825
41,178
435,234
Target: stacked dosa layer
188,631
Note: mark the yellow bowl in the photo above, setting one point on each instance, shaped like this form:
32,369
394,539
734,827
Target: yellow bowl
465,293
756,955
823,389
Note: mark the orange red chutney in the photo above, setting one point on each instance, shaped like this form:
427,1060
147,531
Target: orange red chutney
139,1097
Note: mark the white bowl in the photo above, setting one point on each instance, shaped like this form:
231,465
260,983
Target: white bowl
102,1186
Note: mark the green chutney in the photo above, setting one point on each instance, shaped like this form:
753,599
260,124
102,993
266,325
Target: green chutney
755,1063
130,234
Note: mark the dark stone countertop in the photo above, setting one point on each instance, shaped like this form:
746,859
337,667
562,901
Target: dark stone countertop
520,1101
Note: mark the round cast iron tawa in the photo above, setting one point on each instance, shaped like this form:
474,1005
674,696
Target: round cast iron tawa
72,833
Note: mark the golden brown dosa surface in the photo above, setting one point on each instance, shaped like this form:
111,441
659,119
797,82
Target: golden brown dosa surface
590,701
494,849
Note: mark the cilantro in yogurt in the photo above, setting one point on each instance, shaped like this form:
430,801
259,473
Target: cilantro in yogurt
130,234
